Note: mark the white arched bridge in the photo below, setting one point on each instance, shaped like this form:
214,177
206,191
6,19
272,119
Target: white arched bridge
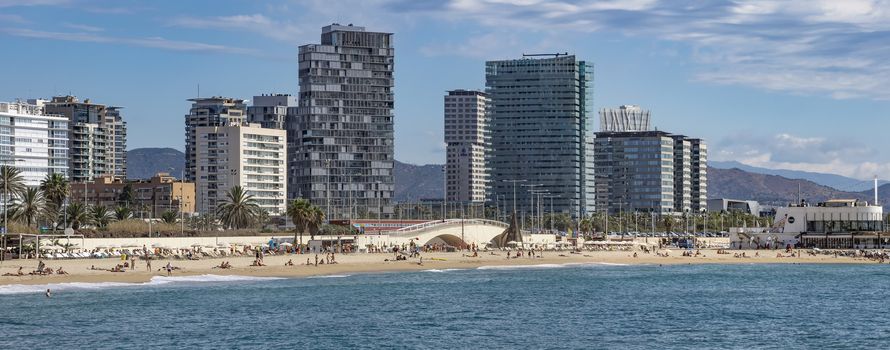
453,232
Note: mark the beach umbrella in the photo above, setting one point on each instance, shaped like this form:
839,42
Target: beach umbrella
196,245
285,244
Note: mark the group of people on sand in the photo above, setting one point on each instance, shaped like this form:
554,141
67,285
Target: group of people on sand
223,265
42,270
695,254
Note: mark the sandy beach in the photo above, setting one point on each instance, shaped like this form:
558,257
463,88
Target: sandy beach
79,270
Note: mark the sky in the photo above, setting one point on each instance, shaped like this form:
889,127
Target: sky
802,85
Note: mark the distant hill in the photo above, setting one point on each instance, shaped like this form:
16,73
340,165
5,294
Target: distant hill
415,182
143,163
838,182
770,189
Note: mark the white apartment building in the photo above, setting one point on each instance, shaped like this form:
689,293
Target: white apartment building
32,141
468,140
243,155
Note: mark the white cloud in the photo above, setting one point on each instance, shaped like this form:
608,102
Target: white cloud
793,152
256,23
820,47
83,27
151,42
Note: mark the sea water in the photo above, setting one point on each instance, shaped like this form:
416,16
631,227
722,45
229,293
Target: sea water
533,307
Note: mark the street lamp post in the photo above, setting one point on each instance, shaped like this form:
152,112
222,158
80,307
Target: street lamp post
531,198
514,192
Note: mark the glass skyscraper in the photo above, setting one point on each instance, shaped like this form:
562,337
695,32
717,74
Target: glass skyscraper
539,128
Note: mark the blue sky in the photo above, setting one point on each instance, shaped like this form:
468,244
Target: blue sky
785,84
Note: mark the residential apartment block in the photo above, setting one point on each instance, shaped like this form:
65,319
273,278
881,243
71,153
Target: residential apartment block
468,140
341,154
33,141
97,137
150,198
245,155
208,111
270,111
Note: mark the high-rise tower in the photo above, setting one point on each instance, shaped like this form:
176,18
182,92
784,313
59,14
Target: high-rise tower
539,127
341,154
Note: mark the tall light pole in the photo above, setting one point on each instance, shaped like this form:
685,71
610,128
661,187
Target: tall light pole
514,192
445,191
531,198
551,211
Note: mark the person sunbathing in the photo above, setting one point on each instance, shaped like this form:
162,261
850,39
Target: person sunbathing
19,273
61,272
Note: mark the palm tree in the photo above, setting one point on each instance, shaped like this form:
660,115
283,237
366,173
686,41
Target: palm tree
55,188
77,215
169,217
316,218
11,181
122,213
262,218
28,206
240,209
300,213
585,226
100,216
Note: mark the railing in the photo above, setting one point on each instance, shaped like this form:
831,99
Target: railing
429,224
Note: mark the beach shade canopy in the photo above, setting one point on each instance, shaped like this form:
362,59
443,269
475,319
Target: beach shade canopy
196,245
156,245
512,242
286,244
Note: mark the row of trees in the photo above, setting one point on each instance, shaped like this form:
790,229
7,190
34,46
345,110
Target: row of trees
240,210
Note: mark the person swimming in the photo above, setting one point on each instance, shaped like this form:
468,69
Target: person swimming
49,294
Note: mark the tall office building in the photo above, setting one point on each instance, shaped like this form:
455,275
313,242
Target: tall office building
32,141
625,118
468,141
342,136
208,111
97,138
649,171
270,111
241,155
539,128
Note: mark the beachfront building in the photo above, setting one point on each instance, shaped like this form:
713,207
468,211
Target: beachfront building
468,143
638,169
245,155
146,198
726,205
625,118
342,136
32,140
834,224
539,131
97,137
270,111
634,172
208,111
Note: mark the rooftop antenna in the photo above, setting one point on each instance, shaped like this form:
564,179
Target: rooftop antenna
876,190
799,200
199,89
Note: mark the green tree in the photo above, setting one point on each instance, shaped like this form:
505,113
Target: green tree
169,217
28,206
77,215
239,210
100,216
123,213
300,213
668,222
316,219
127,195
55,189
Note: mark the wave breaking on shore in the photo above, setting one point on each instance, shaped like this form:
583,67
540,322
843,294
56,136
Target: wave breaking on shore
155,281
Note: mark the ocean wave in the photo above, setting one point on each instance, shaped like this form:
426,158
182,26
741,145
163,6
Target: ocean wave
547,266
442,270
155,281
329,276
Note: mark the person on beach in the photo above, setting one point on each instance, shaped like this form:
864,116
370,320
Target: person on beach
289,262
169,269
148,264
132,263
316,259
49,294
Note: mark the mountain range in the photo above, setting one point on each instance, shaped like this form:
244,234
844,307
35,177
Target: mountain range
839,182
725,180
